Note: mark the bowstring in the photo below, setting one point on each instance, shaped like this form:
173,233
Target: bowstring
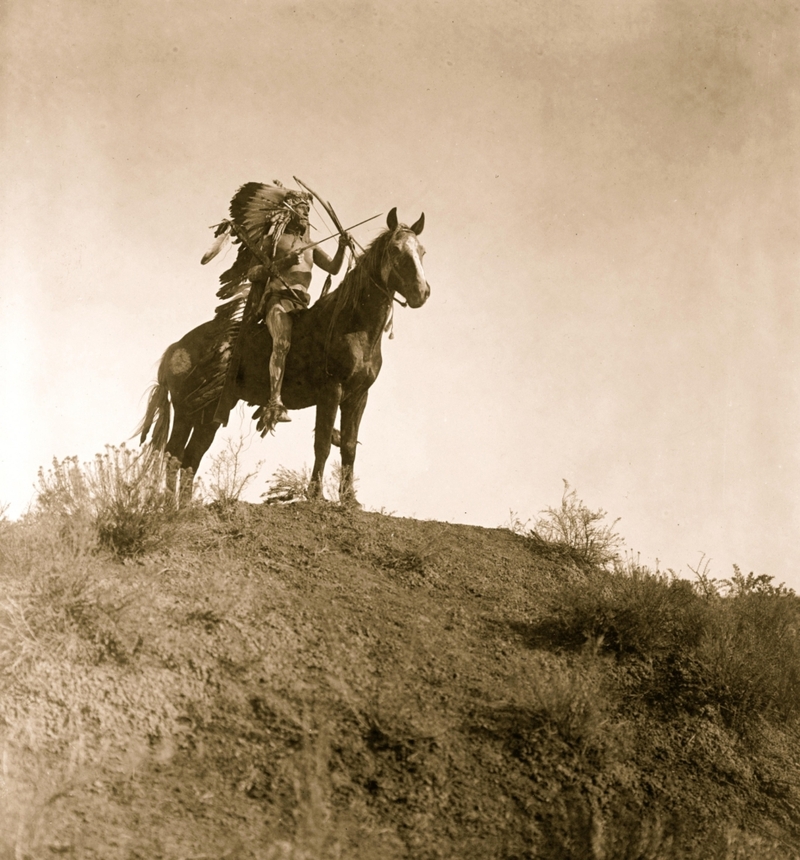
351,257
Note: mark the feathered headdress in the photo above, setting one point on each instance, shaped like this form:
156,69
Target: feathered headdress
259,214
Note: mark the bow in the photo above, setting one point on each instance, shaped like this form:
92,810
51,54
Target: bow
320,241
331,214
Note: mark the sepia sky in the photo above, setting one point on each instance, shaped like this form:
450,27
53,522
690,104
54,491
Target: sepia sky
611,199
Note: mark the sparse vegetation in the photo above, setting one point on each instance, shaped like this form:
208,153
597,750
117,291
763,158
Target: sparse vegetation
636,612
291,485
729,647
734,654
117,502
288,485
574,531
226,475
309,682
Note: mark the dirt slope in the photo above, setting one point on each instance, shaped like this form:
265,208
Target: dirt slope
302,681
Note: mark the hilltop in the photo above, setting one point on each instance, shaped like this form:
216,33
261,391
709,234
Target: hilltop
305,681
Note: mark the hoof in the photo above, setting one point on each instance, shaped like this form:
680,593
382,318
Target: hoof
314,493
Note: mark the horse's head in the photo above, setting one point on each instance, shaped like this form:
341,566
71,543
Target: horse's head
401,267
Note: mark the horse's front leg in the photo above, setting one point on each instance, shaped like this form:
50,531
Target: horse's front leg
327,407
352,410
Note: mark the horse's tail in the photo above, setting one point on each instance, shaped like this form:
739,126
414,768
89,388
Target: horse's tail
158,410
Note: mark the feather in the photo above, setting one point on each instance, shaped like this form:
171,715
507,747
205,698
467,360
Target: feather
222,239
252,204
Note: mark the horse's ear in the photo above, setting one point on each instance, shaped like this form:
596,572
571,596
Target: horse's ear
418,227
391,219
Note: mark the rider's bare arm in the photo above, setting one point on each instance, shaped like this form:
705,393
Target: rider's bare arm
332,266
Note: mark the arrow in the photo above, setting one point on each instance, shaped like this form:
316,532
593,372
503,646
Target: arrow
320,241
331,214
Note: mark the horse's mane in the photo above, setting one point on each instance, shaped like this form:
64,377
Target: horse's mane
229,315
367,268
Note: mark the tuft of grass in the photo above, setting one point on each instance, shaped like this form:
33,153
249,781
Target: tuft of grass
287,485
577,828
570,701
291,485
117,502
574,531
61,608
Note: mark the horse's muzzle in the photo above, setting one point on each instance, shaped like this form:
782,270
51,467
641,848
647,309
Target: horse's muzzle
419,299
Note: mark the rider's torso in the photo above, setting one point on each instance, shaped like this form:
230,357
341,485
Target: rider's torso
300,272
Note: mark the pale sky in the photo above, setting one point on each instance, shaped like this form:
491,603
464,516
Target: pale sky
611,201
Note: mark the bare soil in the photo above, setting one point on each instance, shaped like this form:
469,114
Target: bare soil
304,681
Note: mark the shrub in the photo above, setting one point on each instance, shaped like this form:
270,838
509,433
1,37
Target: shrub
287,485
576,531
740,585
750,657
727,649
118,500
227,478
638,612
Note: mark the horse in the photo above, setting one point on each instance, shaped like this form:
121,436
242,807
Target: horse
334,359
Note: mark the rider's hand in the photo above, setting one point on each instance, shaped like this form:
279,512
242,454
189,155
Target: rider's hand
291,259
344,240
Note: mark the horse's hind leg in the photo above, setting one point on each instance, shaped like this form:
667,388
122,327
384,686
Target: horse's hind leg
201,440
175,449
327,408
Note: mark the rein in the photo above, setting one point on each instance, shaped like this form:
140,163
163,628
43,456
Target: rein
369,278
385,290
388,293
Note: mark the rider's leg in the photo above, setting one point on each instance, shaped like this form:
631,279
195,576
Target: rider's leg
279,324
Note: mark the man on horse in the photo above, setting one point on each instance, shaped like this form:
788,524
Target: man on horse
274,269
285,291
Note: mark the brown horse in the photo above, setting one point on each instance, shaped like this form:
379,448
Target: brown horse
334,359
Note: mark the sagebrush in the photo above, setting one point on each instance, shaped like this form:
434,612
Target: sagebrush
118,500
226,475
575,531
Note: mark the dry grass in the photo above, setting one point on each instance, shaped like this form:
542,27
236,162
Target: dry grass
291,485
314,683
226,476
571,700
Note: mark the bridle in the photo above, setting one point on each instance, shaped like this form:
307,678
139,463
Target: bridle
392,268
390,294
